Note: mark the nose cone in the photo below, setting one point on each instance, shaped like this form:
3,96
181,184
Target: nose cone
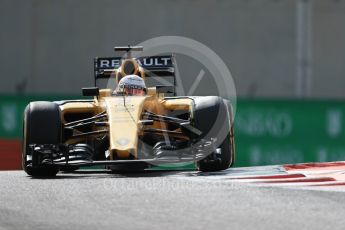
123,124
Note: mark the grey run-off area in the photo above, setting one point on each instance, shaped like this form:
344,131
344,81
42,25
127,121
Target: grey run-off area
160,200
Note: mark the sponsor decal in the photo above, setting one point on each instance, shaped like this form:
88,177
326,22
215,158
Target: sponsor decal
145,62
123,141
9,117
334,119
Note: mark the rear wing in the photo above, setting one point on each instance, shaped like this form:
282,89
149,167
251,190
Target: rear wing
153,65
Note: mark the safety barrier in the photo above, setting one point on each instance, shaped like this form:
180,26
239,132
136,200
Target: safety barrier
267,131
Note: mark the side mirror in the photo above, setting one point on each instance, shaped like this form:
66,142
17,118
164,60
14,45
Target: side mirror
164,89
90,91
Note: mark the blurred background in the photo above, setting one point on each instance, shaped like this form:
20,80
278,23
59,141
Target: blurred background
287,59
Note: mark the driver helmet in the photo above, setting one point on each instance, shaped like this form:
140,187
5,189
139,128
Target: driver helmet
131,85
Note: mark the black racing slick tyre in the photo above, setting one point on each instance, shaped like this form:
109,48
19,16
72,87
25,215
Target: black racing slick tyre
42,125
213,117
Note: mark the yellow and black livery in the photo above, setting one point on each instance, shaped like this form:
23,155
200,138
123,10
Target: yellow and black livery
125,132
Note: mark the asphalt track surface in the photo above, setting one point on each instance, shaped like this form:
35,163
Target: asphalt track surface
162,200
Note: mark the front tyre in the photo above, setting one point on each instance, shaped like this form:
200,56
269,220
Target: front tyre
42,125
213,117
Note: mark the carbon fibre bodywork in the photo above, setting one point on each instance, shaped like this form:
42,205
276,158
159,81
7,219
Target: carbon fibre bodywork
115,130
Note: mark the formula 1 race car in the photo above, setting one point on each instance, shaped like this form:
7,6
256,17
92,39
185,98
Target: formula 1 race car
124,131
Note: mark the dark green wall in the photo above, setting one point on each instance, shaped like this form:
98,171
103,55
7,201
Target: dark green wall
267,131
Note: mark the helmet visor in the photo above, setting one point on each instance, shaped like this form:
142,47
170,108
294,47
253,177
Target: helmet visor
134,92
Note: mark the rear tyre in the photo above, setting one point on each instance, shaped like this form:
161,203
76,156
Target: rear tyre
42,125
213,118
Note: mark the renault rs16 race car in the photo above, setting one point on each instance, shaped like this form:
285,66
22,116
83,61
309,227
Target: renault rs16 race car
130,127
